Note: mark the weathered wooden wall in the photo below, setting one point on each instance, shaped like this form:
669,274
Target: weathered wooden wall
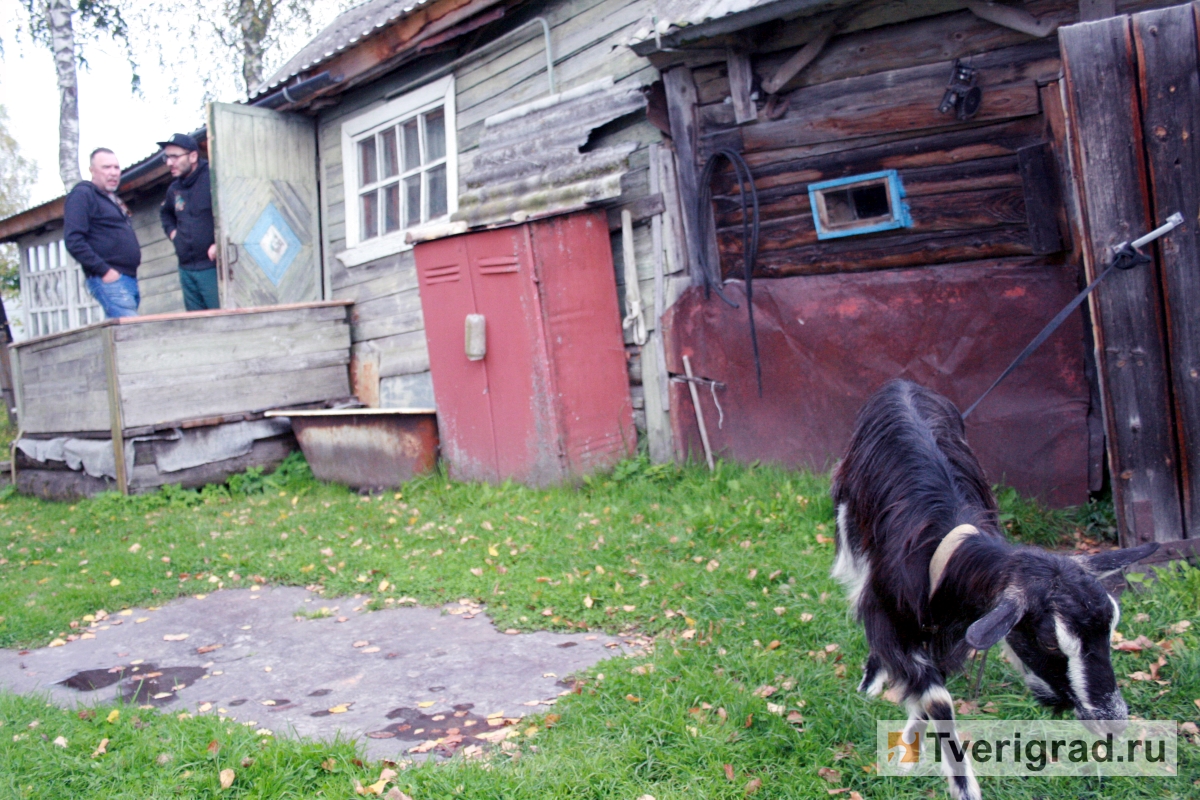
61,384
184,367
158,276
387,324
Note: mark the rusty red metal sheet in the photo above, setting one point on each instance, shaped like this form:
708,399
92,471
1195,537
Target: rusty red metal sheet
828,341
374,448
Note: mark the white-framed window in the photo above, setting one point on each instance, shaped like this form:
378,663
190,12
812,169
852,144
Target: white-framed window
400,170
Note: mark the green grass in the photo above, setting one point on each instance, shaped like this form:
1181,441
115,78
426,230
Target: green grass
703,562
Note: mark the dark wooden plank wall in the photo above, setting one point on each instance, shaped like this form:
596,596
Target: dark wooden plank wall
1103,104
989,197
1169,76
963,181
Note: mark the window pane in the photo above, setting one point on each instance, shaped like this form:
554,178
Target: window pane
412,200
391,208
437,191
370,215
435,136
366,162
412,145
391,161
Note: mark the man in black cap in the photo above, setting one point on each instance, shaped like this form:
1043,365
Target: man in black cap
187,218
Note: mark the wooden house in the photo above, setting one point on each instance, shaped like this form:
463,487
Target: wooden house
934,180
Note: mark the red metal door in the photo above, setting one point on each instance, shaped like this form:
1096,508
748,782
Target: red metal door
525,427
551,395
460,386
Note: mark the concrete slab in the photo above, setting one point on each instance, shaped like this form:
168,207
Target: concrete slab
393,678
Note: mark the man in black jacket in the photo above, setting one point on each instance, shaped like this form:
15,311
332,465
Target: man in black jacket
188,220
99,235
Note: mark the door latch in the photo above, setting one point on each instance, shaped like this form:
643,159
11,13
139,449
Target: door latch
476,337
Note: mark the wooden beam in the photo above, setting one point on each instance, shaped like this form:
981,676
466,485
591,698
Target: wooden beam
1106,130
1170,88
117,423
641,210
31,220
800,59
741,80
1042,198
1092,10
394,43
681,107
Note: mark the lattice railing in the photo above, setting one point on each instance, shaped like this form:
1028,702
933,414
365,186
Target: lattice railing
54,290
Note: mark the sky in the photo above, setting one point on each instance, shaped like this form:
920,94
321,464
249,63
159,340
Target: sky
110,115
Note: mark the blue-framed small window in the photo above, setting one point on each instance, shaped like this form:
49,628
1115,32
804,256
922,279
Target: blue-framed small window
859,204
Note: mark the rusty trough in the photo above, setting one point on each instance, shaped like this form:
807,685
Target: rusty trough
366,447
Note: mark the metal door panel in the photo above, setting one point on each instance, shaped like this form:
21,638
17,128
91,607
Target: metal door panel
526,429
578,291
460,386
264,181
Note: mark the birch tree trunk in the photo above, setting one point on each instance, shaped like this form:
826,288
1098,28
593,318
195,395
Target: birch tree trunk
62,43
254,22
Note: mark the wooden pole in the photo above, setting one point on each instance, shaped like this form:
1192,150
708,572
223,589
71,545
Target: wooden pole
708,456
114,411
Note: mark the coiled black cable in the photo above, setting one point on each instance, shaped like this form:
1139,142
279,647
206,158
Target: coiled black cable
750,231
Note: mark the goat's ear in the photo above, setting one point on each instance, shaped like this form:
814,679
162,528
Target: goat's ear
1103,564
995,625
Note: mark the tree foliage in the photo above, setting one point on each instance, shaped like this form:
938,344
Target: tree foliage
234,45
64,26
17,176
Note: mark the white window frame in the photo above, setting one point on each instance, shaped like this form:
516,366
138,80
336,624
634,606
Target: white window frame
426,98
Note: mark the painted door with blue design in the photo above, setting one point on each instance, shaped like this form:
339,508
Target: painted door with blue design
264,176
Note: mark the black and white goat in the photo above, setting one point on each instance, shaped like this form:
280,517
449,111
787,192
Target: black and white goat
930,576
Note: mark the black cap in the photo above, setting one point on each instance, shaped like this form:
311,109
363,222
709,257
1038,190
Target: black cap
181,140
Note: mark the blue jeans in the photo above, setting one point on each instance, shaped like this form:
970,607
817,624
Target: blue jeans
119,298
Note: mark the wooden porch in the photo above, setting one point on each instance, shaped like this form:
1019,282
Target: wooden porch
140,402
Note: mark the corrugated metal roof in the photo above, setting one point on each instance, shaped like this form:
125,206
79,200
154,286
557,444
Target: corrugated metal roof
529,163
350,27
674,22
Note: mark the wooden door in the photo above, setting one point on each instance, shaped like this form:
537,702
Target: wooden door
1134,107
264,182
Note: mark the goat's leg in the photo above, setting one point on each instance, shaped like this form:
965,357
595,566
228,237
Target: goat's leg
875,676
934,704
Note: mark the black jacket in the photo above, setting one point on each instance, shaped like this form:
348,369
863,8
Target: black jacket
187,210
98,234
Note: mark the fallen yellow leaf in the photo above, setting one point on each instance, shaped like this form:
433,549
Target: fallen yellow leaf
341,708
101,748
492,551
113,715
425,704
227,776
56,643
115,582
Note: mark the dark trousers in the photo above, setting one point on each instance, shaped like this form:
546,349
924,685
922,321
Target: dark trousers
199,287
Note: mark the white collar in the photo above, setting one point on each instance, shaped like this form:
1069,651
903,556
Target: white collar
941,556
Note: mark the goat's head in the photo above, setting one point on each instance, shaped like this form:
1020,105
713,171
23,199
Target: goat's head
1057,621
